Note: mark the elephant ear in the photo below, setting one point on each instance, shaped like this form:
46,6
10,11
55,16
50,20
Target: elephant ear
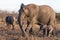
22,5
21,8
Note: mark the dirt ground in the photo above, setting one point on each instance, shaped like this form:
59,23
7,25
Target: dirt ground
6,32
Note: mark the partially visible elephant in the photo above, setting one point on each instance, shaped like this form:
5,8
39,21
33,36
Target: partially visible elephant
32,14
10,21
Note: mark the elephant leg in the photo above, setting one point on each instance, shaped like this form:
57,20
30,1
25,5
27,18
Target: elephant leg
33,21
23,23
27,25
44,28
28,28
49,30
51,24
13,27
24,26
44,32
51,27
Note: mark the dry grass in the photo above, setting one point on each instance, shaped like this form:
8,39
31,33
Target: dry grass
7,34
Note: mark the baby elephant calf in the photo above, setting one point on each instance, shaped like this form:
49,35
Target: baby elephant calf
10,20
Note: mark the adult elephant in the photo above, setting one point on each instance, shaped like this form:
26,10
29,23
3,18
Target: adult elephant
31,15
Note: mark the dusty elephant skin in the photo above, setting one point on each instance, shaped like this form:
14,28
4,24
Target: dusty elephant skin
32,14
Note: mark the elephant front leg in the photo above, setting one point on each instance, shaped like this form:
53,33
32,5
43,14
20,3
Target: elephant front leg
28,28
33,21
49,30
51,25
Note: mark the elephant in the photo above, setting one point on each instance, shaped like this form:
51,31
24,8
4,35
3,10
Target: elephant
32,14
10,20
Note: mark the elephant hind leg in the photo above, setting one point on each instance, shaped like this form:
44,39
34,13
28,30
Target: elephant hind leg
49,30
51,24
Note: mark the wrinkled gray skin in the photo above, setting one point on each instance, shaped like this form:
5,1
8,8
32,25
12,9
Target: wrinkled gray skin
32,14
